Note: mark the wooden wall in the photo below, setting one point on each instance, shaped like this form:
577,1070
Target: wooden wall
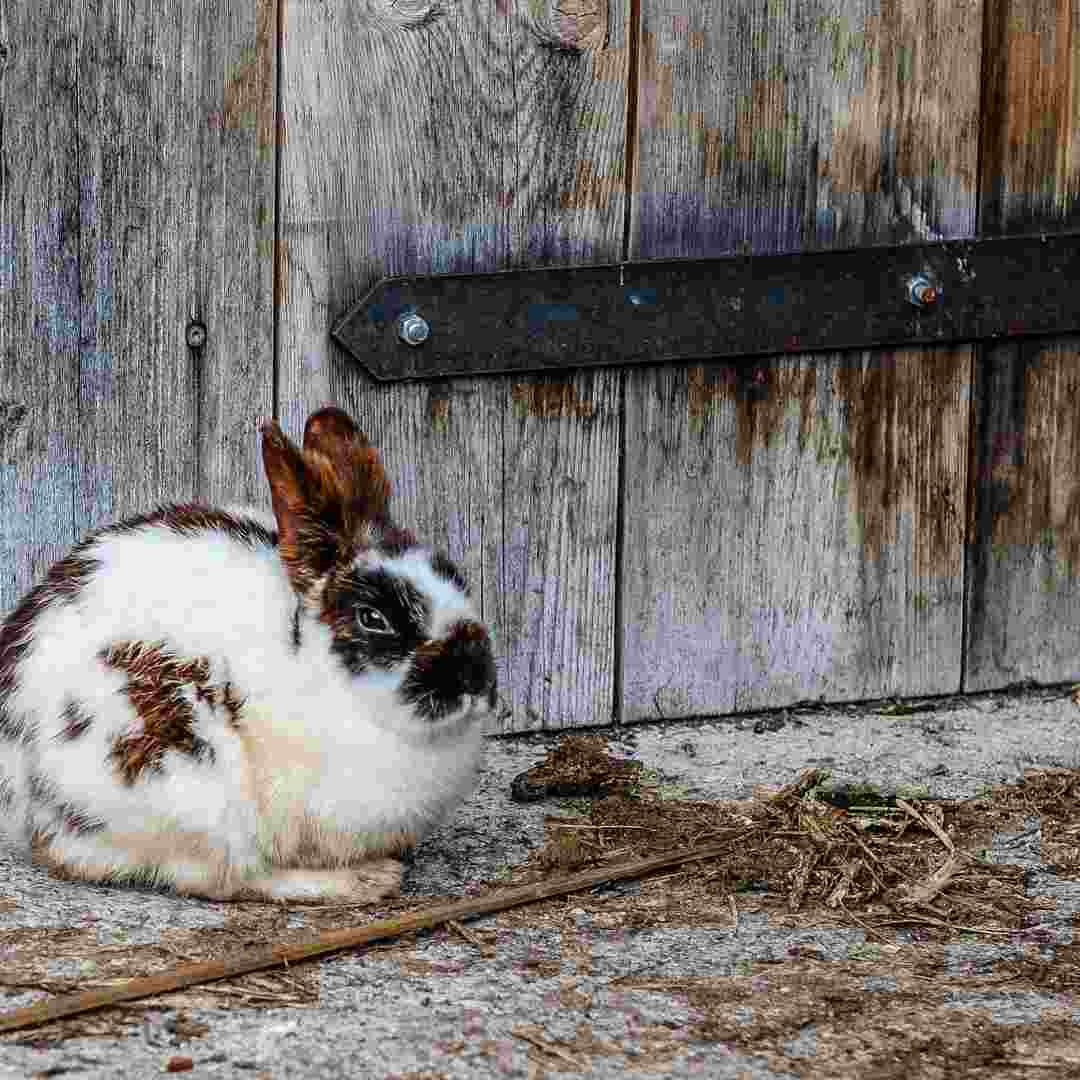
649,543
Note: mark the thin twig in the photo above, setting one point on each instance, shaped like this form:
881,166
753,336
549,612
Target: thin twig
331,941
928,823
548,1048
468,935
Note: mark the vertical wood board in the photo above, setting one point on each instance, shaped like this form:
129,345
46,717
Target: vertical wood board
39,293
139,196
1023,608
1024,537
421,138
823,495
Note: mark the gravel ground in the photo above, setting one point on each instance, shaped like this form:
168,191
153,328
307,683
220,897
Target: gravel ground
576,992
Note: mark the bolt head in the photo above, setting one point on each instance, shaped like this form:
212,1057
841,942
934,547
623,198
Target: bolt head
413,329
195,335
922,292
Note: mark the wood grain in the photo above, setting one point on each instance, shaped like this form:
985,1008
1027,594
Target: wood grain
795,124
1030,123
39,294
1024,535
138,187
799,531
793,529
474,137
1023,607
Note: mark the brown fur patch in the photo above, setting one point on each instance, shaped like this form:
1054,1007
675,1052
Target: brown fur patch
394,541
329,498
61,585
156,685
66,578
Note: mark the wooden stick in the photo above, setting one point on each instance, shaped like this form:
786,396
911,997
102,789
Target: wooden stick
335,940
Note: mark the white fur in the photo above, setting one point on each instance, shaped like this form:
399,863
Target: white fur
329,767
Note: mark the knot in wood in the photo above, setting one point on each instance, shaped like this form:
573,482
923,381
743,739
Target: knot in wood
571,24
407,13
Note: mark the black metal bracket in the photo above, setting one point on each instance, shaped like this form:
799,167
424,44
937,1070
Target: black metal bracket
693,309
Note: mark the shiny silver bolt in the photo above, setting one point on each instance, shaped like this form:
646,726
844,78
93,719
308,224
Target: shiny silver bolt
413,329
195,335
922,292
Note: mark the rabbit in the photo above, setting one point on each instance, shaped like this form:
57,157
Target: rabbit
243,707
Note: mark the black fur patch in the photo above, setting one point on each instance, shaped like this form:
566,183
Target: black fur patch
442,566
400,603
190,519
76,720
296,637
444,671
63,815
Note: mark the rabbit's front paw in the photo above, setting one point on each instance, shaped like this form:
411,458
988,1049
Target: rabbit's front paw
362,884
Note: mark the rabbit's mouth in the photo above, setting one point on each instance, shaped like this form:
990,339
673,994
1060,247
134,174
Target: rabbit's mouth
453,676
435,709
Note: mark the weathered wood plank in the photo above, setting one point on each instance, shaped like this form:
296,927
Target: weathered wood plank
139,193
1030,122
1023,606
419,139
795,124
1024,540
793,529
799,531
39,293
175,155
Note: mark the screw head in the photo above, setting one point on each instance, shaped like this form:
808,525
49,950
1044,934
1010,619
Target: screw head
195,335
413,329
922,292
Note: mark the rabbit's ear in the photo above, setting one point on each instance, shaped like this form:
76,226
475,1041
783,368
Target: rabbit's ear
349,467
308,513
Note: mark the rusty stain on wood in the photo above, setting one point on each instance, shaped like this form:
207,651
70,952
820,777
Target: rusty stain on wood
591,189
246,103
571,24
800,536
549,398
1031,105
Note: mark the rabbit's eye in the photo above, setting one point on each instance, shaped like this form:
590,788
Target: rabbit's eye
374,621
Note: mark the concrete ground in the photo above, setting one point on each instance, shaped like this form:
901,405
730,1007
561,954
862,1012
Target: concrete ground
590,985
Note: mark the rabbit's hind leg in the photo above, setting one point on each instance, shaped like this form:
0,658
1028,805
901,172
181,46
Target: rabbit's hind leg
180,861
